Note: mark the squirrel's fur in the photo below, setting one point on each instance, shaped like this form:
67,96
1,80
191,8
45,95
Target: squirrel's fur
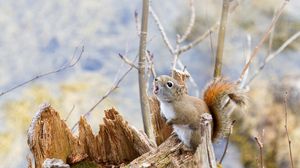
218,96
184,112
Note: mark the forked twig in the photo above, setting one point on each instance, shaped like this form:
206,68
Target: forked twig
273,55
125,59
176,52
198,40
264,38
71,64
286,130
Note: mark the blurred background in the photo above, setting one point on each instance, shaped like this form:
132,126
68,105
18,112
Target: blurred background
41,36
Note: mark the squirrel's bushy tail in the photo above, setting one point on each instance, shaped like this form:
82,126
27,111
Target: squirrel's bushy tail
221,97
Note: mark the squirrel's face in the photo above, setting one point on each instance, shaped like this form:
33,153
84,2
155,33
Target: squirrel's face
166,88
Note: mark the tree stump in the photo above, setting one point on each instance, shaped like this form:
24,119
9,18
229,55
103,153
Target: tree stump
117,144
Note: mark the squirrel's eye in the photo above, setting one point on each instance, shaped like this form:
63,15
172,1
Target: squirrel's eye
155,79
169,84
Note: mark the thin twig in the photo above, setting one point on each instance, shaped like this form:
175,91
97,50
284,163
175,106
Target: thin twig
286,129
136,19
273,55
150,68
191,23
198,39
212,52
260,145
127,61
150,57
243,84
63,68
70,112
145,107
227,142
161,30
112,89
264,38
191,79
270,45
221,38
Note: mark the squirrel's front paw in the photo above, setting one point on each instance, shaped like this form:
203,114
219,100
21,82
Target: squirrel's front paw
194,126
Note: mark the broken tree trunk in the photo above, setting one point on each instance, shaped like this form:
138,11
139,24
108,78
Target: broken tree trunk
116,143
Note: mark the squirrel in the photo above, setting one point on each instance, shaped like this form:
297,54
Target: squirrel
183,111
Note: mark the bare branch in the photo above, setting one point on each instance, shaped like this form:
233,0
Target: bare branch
175,53
71,64
161,30
260,145
273,55
191,23
286,129
198,40
127,61
145,107
264,38
221,38
112,89
227,142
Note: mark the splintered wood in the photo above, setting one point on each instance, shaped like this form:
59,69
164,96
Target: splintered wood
116,143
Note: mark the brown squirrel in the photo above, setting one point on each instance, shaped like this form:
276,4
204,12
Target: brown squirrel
184,112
